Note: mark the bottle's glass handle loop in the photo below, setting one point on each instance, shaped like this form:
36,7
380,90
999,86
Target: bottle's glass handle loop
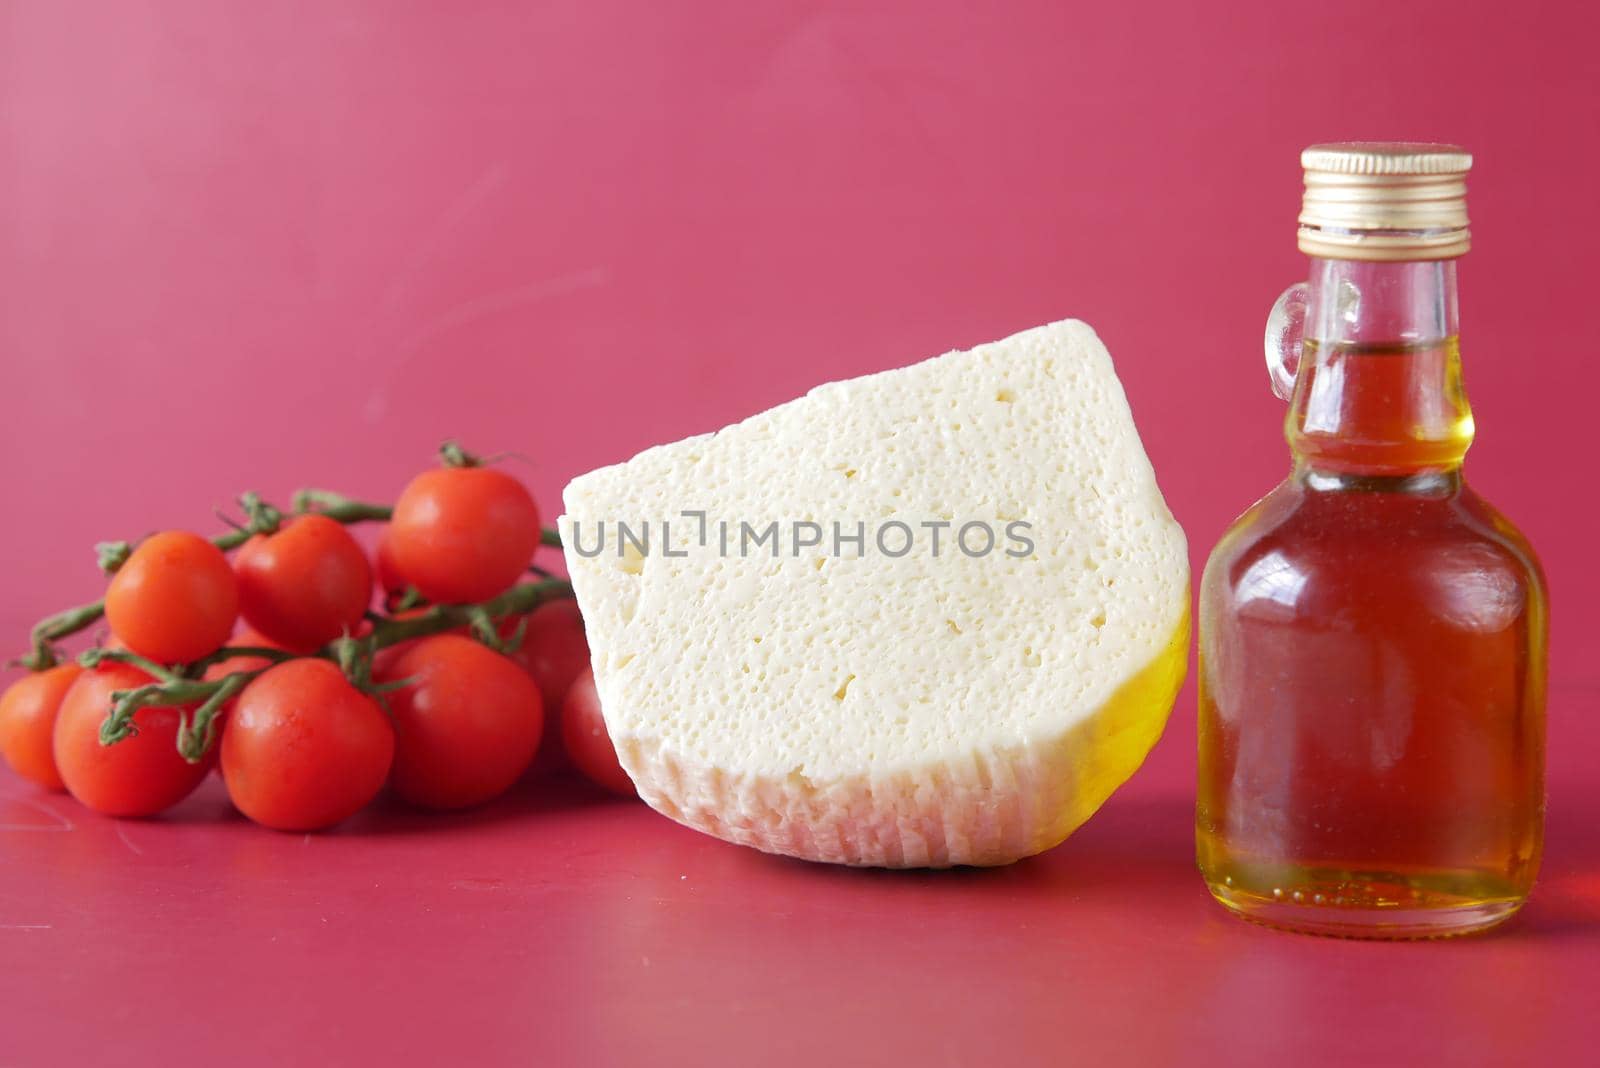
1286,326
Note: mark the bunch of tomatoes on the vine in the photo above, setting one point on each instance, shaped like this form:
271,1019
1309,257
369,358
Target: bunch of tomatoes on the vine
476,659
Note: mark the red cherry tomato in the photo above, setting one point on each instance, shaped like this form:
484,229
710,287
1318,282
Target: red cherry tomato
175,599
28,720
138,776
463,534
589,747
555,652
303,748
466,728
391,583
305,585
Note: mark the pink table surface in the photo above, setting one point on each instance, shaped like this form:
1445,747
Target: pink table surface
558,926
252,246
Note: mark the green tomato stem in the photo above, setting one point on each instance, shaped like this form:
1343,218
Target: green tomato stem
338,507
92,658
451,454
120,723
43,655
196,735
237,652
517,601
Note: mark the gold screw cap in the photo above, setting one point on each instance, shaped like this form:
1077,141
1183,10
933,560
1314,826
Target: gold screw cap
1385,201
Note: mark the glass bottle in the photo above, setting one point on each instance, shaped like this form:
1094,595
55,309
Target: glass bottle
1373,632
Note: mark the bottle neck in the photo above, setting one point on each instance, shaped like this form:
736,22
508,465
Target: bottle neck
1379,392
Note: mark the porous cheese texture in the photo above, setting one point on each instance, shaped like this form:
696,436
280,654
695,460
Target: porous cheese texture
842,704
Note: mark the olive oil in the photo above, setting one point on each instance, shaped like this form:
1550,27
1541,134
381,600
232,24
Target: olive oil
1372,644
1373,730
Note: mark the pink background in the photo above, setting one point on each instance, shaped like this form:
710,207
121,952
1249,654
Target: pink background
252,246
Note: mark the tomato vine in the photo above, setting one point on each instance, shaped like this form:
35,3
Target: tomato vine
183,686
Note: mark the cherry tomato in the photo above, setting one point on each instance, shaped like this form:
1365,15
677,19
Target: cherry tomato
391,583
589,747
468,725
138,776
175,599
555,652
463,534
27,723
303,748
305,585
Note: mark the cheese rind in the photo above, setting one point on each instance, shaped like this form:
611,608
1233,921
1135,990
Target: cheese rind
896,710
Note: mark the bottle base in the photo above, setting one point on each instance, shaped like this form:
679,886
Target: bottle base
1321,914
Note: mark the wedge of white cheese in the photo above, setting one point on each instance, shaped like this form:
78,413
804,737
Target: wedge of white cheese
805,641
